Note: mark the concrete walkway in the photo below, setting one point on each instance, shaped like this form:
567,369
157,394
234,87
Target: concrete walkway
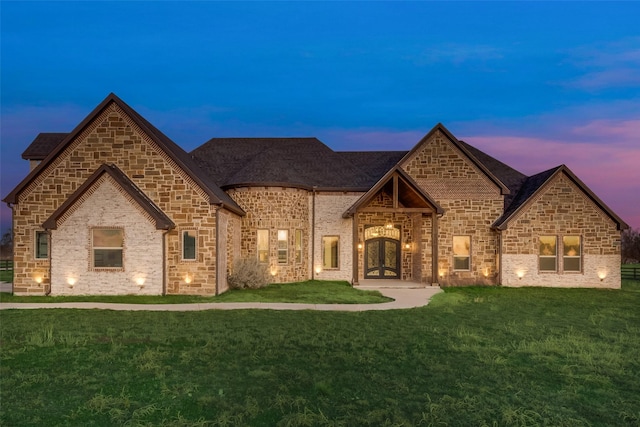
403,298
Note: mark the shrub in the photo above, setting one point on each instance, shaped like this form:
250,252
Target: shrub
248,273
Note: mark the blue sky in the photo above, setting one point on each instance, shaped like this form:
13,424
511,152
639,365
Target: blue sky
534,84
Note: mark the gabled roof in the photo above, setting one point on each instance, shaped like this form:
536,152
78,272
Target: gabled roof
416,194
298,162
184,161
43,144
462,147
163,222
534,184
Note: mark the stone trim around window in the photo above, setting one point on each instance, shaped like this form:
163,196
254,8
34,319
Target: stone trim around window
189,244
41,245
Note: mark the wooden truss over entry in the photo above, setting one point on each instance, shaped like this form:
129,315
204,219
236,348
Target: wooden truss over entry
404,197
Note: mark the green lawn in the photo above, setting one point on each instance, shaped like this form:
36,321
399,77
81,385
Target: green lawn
312,291
6,271
474,356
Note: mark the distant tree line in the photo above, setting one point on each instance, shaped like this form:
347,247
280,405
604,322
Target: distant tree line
6,245
630,243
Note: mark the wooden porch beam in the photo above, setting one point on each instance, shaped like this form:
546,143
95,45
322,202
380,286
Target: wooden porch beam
396,210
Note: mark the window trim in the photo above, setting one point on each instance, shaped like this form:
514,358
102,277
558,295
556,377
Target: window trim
283,252
330,267
113,248
554,256
184,232
578,257
266,250
454,256
298,246
36,245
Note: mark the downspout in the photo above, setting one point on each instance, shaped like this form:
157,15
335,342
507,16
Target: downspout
50,248
164,262
499,257
313,232
217,247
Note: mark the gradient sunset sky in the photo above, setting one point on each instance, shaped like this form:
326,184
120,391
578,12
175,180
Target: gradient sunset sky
533,84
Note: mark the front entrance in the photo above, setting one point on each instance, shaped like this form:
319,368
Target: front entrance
382,259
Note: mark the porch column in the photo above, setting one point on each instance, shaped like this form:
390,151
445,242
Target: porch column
434,248
355,251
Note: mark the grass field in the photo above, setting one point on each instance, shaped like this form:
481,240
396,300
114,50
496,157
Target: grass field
474,356
311,291
6,271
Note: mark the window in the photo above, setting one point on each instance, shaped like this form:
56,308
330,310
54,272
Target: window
461,252
283,246
189,245
42,245
548,253
571,253
298,246
330,252
107,247
263,246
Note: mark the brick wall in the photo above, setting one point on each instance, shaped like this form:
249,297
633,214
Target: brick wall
561,209
72,272
114,138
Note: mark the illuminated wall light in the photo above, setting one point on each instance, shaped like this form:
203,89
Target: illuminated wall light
486,272
38,279
318,270
520,274
602,274
71,281
407,246
140,281
441,273
187,279
273,270
359,245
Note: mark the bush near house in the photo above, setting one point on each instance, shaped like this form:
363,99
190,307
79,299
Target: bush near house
248,273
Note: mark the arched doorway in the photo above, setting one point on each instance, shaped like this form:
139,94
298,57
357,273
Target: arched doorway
382,252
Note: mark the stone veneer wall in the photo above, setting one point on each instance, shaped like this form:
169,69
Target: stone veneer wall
561,209
276,208
72,272
114,138
471,201
329,208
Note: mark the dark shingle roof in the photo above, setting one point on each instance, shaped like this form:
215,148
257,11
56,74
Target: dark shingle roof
43,144
373,163
304,162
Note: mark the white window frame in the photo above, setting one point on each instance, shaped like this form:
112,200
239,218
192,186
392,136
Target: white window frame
566,257
298,246
547,256
283,247
107,248
193,234
458,256
327,262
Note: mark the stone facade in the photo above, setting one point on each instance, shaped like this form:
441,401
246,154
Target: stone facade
273,209
447,192
561,209
471,203
113,137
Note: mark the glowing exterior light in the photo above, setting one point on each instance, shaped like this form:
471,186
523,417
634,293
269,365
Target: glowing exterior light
520,274
273,270
602,274
71,281
140,281
318,270
38,279
187,279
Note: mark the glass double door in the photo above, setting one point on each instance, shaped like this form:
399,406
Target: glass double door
382,259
